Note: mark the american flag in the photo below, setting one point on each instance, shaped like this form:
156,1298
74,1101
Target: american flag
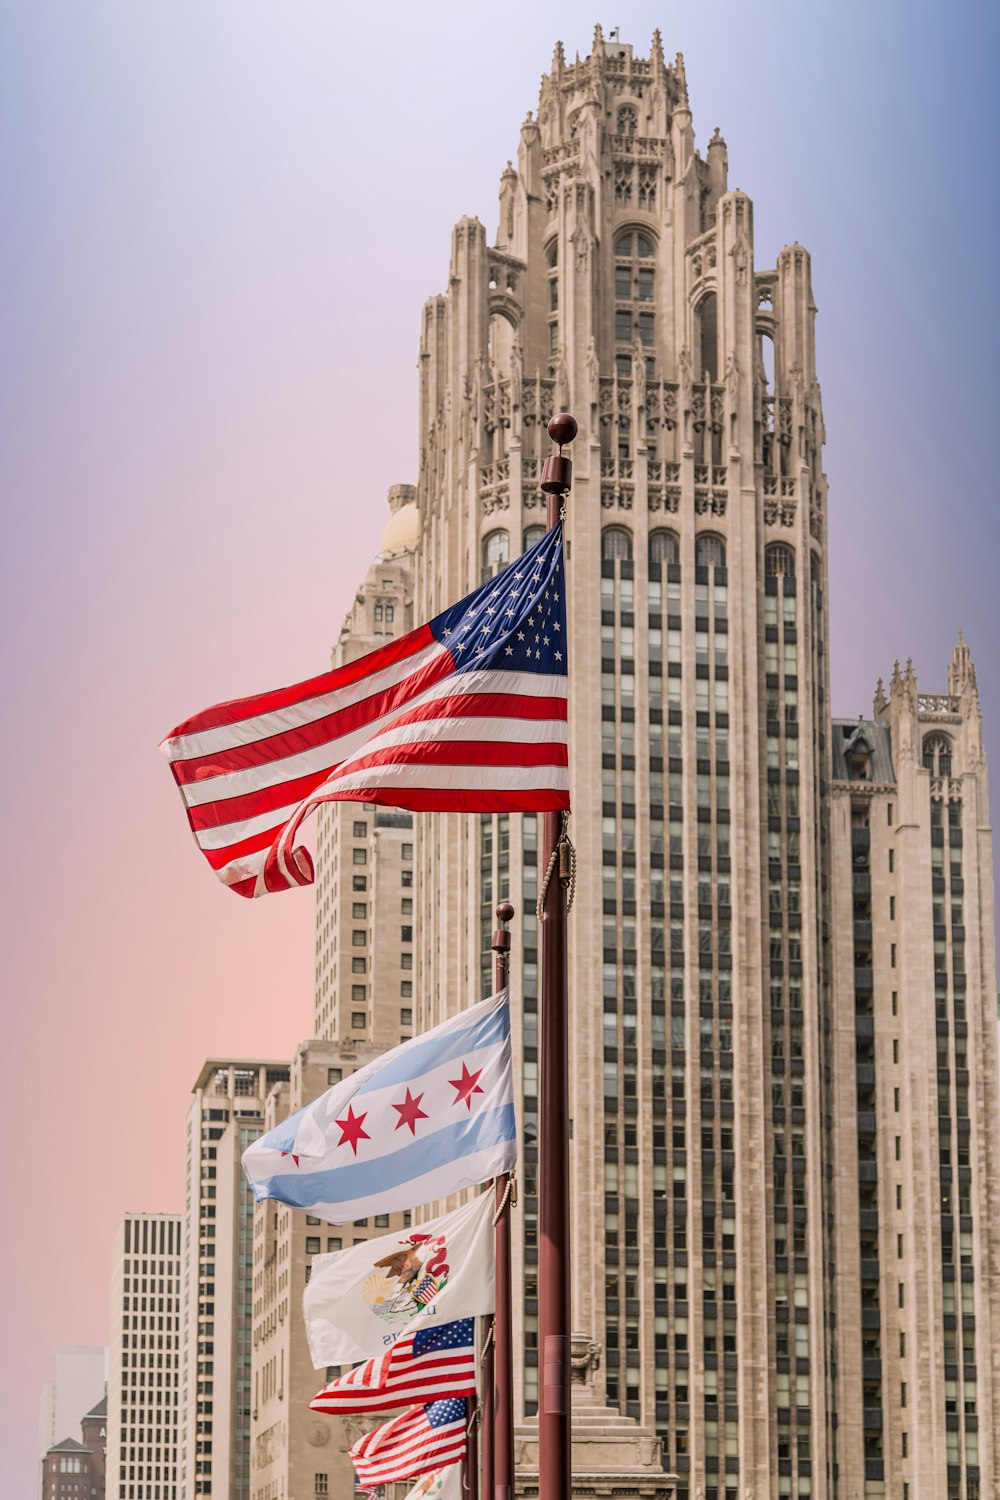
416,1442
426,1365
464,714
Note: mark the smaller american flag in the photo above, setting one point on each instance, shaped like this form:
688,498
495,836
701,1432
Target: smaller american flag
425,1366
366,1492
415,1442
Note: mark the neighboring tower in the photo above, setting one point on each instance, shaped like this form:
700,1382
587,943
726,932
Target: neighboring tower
916,1193
622,287
226,1115
68,1472
81,1374
364,853
144,1359
94,1433
296,1453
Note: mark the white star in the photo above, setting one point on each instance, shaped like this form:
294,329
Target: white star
556,625
520,635
537,639
518,576
447,630
538,656
509,650
558,656
545,640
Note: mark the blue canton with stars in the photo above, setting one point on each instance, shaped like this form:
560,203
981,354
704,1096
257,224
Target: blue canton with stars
517,620
457,1335
440,1413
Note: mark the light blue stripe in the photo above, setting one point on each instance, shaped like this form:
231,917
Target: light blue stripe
364,1178
415,1058
282,1137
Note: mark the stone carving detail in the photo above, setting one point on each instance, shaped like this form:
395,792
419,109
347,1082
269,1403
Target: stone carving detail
318,1434
585,1359
270,1445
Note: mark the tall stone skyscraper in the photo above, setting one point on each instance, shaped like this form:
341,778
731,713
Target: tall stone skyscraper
782,1079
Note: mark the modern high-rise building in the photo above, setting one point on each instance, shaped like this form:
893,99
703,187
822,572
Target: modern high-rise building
79,1381
782,983
225,1117
144,1359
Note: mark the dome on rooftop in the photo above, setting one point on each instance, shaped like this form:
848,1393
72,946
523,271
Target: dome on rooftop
402,531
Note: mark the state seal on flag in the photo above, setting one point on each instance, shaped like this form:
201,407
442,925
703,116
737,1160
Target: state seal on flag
404,1283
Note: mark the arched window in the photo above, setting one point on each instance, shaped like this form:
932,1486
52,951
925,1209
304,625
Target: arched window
709,550
616,542
496,551
552,262
937,755
628,119
706,337
635,294
779,561
663,548
532,534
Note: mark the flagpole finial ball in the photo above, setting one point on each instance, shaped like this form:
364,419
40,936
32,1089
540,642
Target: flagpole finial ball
505,912
563,428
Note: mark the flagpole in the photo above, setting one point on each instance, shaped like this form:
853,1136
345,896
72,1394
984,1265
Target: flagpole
502,1477
486,1414
554,1418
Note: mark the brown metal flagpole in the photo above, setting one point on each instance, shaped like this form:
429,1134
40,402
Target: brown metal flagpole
486,1413
502,1477
554,1423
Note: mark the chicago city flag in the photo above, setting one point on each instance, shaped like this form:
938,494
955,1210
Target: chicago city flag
464,714
417,1442
434,1115
362,1301
423,1366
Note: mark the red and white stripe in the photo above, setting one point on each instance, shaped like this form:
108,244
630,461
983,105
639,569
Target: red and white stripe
398,1378
407,1447
399,726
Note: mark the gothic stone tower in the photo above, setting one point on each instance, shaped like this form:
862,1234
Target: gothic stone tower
622,286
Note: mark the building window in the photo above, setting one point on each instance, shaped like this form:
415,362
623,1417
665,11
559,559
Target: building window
359,856
495,552
709,550
635,293
663,548
937,755
779,561
333,1075
552,264
357,993
532,534
357,966
616,542
389,614
360,830
628,120
358,1020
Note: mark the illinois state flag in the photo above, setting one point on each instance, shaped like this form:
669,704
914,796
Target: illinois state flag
439,1484
434,1115
360,1302
419,1441
464,714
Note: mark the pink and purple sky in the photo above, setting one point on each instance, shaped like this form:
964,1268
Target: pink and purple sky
220,224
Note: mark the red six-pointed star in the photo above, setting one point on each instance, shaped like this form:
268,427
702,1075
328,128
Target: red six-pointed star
292,1155
410,1112
467,1085
352,1129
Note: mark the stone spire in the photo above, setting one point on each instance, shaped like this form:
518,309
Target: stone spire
961,668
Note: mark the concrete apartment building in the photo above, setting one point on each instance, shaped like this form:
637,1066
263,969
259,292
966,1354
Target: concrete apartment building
144,1360
225,1117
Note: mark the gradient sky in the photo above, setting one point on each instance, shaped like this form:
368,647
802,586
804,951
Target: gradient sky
220,222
